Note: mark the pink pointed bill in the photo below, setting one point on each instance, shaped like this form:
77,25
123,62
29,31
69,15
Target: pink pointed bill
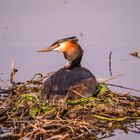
45,50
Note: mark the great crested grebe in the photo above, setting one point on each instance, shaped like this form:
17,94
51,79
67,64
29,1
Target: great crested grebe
72,81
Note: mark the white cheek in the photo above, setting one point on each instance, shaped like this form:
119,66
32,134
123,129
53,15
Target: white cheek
56,49
60,48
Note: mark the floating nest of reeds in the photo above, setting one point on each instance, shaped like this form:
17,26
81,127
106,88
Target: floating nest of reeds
24,115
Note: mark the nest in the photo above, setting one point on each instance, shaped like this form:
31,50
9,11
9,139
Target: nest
23,114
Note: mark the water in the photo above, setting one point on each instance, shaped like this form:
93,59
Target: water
96,58
101,26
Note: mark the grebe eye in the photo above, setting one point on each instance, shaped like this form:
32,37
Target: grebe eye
58,45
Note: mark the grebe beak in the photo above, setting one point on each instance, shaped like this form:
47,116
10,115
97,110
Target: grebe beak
51,48
45,50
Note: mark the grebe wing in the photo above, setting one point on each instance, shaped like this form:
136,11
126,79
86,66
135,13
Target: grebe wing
65,81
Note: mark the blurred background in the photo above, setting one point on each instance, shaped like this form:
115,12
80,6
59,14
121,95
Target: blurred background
101,26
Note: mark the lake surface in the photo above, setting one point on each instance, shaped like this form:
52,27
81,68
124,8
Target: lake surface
96,59
101,26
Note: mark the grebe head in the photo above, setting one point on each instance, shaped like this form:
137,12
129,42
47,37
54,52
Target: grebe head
69,47
70,78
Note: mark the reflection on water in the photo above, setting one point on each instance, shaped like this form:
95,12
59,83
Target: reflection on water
121,136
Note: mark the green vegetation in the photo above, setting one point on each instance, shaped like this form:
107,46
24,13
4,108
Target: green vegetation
24,114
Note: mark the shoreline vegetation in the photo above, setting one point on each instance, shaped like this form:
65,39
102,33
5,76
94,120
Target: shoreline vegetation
23,114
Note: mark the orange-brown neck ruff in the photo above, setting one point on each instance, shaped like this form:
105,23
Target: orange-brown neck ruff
69,47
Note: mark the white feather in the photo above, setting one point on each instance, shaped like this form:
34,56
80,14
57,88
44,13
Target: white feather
60,48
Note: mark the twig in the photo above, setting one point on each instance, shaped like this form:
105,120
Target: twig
4,83
78,93
21,121
110,68
58,113
37,74
8,90
58,137
123,87
114,77
12,75
9,117
9,135
48,75
135,131
106,136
